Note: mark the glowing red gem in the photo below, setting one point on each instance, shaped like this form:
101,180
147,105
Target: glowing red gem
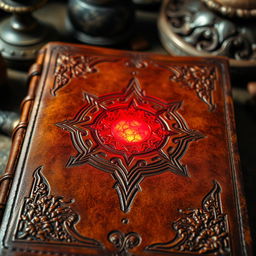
131,131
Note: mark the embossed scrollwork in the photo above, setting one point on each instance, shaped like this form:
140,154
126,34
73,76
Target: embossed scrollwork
203,230
124,242
162,150
201,79
46,217
70,65
137,61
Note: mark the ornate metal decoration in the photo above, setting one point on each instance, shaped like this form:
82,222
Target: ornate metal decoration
17,7
200,231
189,27
124,242
198,78
142,127
232,11
71,65
46,217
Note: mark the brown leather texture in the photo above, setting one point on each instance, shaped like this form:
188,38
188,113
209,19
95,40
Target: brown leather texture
125,153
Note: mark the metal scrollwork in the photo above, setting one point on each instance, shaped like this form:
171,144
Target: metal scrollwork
210,33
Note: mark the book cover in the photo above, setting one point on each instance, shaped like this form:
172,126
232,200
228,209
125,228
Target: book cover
124,153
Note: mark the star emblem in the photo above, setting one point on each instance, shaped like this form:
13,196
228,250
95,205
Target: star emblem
130,131
131,136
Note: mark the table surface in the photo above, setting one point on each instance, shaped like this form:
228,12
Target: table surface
55,13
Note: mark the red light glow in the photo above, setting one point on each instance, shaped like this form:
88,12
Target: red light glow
131,131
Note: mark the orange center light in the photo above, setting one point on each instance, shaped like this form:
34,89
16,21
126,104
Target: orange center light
130,131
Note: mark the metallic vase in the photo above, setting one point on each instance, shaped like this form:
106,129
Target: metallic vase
21,35
100,22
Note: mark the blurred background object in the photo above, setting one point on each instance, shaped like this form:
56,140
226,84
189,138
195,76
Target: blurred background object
211,27
8,121
21,35
100,22
2,72
147,3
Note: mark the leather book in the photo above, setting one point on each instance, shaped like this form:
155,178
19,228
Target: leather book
124,153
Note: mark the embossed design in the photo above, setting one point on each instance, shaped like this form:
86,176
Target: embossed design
200,231
124,242
198,78
131,131
70,65
129,170
45,217
137,61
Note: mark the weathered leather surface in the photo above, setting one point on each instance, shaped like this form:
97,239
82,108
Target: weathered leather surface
79,191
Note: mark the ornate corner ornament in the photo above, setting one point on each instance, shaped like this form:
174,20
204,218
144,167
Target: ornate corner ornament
201,79
115,132
124,242
70,66
46,217
199,231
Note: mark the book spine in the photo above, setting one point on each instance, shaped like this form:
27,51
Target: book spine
20,131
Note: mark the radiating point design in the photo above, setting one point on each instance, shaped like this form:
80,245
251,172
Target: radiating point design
131,136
